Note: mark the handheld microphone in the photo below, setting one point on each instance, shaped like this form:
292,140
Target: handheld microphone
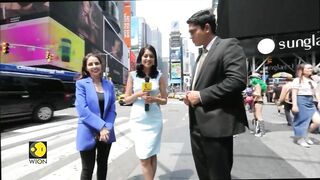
146,86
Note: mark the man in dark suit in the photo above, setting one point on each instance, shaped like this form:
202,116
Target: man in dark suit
216,108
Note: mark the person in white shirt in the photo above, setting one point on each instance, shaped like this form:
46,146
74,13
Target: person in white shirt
303,104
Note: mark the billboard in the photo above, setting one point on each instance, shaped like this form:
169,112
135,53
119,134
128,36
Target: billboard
115,70
284,44
127,23
11,12
29,40
132,61
176,70
254,18
134,33
175,54
113,44
84,18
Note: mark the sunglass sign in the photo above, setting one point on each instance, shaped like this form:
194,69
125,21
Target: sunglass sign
292,43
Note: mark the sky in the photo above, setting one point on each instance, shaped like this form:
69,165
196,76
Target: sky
161,13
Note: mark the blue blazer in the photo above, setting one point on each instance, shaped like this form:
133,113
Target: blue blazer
87,105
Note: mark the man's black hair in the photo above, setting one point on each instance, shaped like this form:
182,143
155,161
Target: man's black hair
201,18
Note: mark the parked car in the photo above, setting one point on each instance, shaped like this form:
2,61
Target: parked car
70,87
32,96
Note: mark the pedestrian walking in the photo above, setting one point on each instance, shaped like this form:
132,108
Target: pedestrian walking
269,93
316,78
95,104
303,105
285,99
259,88
216,107
275,96
146,116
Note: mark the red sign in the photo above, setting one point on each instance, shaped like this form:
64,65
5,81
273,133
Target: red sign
132,61
127,24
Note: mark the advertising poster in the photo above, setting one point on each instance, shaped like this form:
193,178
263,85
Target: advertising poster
125,56
113,44
175,70
11,12
125,74
30,40
26,34
134,33
175,54
115,70
84,18
127,23
132,61
67,46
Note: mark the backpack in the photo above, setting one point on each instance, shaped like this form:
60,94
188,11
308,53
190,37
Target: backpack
249,91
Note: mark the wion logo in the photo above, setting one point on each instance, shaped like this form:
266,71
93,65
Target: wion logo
38,152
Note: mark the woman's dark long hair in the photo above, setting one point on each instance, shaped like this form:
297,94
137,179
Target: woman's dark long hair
84,72
154,72
299,71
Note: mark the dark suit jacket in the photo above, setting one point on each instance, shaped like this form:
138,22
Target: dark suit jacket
221,81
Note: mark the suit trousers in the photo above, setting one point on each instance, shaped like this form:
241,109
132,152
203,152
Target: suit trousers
213,157
88,161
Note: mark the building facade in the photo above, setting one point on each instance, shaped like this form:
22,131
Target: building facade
68,30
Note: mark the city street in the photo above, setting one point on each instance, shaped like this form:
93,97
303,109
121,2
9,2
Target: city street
53,53
272,156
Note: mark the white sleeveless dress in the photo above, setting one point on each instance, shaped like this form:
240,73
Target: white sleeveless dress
146,126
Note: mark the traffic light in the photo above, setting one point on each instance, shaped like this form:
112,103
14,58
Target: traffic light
48,56
5,48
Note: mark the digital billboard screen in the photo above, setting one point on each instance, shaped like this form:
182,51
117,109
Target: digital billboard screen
84,18
113,44
134,33
175,54
11,12
30,40
175,70
115,70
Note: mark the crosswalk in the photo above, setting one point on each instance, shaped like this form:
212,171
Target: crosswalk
63,160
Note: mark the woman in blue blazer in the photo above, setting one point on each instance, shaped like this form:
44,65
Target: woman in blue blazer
95,104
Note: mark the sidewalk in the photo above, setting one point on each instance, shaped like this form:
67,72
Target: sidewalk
274,155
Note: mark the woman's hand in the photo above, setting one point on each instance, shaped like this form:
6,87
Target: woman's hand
295,109
141,94
104,134
149,99
145,95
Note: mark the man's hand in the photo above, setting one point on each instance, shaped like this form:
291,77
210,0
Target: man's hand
186,100
193,97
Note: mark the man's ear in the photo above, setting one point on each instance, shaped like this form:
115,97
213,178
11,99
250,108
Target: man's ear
207,28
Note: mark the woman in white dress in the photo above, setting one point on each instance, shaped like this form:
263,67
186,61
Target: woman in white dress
146,123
